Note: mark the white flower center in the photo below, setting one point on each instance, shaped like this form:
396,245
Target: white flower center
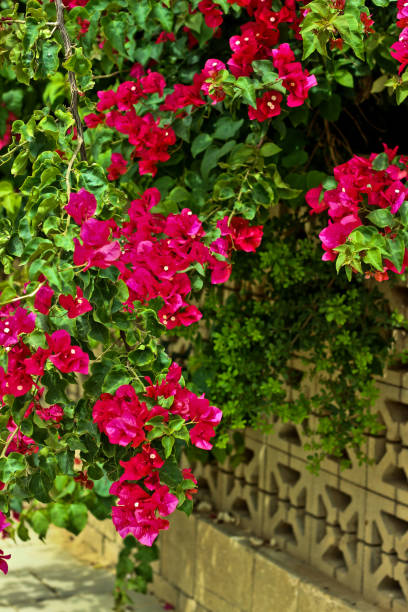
271,106
189,213
136,504
19,388
6,330
165,268
72,351
152,456
172,318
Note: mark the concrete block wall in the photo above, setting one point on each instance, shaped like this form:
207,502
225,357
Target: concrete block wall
210,567
351,525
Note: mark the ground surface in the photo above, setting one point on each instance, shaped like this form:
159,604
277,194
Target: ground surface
46,578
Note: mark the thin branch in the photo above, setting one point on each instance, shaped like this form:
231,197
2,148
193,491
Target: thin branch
346,143
70,164
71,76
8,442
24,297
107,76
356,123
329,138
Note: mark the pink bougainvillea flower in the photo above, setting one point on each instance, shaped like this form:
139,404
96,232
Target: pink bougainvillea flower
316,201
81,206
18,442
165,36
97,250
188,475
399,50
367,23
13,323
137,70
337,233
76,306
43,299
64,356
107,99
6,138
117,166
153,82
93,120
212,13
3,522
35,364
51,413
141,464
3,562
267,106
121,416
243,236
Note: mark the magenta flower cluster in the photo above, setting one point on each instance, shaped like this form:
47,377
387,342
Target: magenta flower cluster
360,189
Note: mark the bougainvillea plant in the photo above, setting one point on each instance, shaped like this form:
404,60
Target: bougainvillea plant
138,155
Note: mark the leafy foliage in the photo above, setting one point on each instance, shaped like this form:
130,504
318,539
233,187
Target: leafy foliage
140,151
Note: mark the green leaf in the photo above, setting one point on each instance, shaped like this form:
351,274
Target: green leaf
186,506
374,258
168,443
247,89
200,143
93,178
117,376
344,77
11,465
78,517
78,63
396,250
381,217
40,485
226,127
170,473
49,61
403,212
59,514
380,162
141,357
269,149
40,522
20,163
266,70
164,16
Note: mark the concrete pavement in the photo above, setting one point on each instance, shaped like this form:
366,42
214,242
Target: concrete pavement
47,578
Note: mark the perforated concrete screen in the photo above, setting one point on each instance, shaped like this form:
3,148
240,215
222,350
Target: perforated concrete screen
351,525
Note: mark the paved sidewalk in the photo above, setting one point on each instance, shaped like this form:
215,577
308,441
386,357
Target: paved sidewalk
47,578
